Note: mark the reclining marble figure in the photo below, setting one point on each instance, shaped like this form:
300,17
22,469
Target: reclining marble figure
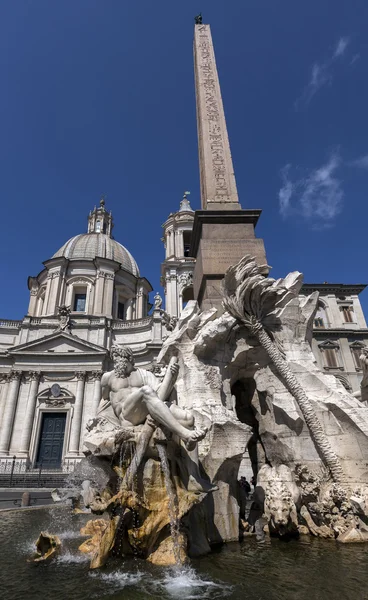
130,395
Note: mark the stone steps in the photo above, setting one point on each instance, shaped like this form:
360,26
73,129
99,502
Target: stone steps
33,480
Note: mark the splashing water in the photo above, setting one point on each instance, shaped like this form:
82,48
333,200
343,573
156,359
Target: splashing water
173,502
69,557
119,579
184,583
69,534
179,582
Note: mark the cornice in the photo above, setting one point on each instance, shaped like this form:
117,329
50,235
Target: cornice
327,332
343,289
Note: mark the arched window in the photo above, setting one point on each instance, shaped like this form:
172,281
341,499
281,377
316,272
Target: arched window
320,319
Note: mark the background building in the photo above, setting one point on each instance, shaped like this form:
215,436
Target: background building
88,296
339,331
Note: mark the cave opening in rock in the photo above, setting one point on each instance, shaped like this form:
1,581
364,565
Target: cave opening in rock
244,391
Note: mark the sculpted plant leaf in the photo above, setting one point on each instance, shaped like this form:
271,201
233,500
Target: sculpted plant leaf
253,298
256,301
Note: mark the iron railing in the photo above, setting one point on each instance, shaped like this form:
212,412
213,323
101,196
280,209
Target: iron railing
20,473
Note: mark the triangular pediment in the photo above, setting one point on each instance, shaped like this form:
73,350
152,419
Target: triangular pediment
58,343
328,344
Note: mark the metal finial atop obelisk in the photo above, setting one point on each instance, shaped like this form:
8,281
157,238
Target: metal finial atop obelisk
218,185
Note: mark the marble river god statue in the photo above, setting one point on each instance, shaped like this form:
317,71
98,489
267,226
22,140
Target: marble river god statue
135,425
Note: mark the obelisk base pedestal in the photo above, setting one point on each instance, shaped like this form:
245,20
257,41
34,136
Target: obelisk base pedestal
220,239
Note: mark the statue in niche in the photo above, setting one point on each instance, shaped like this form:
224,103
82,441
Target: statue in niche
64,318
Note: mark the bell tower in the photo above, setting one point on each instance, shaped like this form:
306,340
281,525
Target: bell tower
178,266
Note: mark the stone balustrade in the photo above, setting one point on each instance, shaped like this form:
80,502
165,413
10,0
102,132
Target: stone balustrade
7,324
134,324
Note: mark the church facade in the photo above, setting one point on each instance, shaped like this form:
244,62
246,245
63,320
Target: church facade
90,295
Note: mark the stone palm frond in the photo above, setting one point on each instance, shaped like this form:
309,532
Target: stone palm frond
257,301
252,298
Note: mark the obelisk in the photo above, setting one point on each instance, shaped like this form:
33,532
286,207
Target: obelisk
222,232
218,185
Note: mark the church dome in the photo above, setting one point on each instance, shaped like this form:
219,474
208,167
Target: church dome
88,246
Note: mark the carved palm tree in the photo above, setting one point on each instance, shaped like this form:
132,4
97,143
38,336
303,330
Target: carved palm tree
256,302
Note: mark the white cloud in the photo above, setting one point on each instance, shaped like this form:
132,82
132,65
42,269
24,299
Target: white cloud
354,59
322,73
341,46
318,197
286,191
361,162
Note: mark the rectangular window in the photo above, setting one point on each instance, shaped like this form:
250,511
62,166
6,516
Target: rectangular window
121,310
79,303
330,357
318,323
356,352
347,312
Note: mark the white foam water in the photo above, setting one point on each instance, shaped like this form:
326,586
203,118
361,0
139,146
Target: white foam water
69,558
185,583
118,579
69,534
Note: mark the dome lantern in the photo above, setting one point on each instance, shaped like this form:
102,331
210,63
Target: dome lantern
100,220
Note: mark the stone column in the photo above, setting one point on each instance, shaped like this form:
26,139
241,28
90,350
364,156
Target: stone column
10,408
167,294
108,294
32,307
173,295
96,375
54,292
99,292
180,244
77,415
4,395
34,378
47,295
170,243
139,306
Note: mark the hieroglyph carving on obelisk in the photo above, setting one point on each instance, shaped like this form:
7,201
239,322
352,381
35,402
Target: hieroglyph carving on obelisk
218,185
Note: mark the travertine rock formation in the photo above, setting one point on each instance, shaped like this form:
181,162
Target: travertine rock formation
254,379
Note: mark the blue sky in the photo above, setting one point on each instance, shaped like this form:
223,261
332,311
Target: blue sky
97,97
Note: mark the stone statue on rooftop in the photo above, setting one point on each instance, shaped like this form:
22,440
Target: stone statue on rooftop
198,19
